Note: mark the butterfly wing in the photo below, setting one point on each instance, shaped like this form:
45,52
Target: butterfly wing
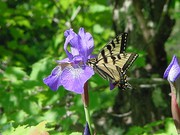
113,74
107,71
122,82
114,69
125,61
114,47
112,62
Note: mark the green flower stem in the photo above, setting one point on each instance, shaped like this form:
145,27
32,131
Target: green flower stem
87,114
175,109
85,98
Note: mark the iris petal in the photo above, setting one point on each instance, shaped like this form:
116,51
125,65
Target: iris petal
173,70
66,60
90,41
69,34
74,78
54,79
86,130
86,43
111,85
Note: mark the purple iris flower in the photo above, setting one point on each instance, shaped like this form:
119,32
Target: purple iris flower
72,72
172,72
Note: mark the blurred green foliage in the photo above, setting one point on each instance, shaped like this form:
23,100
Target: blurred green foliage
31,40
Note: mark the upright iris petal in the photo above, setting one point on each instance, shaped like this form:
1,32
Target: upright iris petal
85,43
72,72
173,70
70,36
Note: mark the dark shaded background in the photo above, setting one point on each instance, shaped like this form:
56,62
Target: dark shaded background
31,39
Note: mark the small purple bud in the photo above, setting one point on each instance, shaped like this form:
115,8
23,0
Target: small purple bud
86,130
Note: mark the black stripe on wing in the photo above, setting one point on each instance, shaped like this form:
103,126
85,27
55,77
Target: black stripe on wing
115,46
129,62
104,74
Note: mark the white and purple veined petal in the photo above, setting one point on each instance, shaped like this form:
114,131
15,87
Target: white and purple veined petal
74,77
173,70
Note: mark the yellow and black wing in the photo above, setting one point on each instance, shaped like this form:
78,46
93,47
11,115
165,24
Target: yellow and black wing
114,70
114,47
112,62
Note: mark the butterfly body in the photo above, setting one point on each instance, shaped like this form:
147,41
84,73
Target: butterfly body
112,62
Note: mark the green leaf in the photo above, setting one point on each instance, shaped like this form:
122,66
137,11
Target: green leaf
14,74
98,29
157,98
76,133
170,127
21,21
41,67
95,8
135,130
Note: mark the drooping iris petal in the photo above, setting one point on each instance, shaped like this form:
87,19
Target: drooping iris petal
74,78
54,79
173,70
